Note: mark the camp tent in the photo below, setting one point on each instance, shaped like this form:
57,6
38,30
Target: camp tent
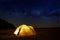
24,30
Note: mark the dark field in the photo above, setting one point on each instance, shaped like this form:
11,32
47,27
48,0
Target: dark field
42,34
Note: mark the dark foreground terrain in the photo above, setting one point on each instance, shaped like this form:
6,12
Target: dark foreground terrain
42,34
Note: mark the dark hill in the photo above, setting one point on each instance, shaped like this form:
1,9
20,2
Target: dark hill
5,25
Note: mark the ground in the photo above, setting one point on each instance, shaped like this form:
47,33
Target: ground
42,34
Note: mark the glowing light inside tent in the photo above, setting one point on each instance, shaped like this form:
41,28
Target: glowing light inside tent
24,30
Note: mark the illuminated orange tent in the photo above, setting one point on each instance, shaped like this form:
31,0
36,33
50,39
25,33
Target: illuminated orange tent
24,30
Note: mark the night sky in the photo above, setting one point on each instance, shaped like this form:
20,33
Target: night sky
39,13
